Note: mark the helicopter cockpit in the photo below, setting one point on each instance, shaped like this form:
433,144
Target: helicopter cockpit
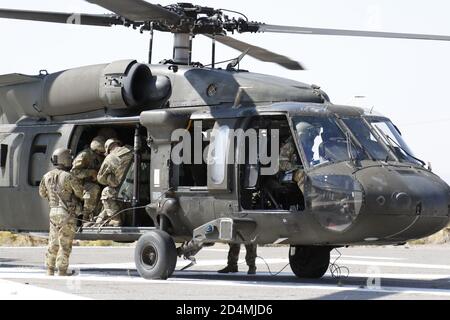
326,140
335,194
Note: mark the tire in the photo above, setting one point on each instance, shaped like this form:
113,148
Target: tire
155,255
309,262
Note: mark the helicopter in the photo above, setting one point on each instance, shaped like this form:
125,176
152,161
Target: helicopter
205,141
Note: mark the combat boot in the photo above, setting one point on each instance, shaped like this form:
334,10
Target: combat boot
229,269
64,273
251,270
50,272
115,222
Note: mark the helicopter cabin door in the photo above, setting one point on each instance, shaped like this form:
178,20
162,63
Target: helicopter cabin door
201,171
265,182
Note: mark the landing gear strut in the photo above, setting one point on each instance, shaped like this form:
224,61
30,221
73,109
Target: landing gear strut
309,261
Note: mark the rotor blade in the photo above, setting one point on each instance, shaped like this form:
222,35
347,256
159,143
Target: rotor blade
138,10
349,33
106,20
258,52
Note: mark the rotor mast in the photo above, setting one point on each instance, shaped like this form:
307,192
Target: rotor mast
182,48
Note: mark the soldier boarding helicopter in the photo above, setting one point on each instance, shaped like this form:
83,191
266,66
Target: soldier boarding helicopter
360,182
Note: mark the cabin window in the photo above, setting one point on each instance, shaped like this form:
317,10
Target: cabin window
190,170
220,156
41,151
10,144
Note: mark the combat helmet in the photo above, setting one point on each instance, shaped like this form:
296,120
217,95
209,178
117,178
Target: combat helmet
110,143
62,157
98,144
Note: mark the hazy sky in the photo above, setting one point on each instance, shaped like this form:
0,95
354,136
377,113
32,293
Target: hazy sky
407,80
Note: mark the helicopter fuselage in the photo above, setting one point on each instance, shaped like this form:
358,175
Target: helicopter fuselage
348,202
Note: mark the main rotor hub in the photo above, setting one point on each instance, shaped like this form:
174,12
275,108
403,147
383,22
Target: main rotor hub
203,20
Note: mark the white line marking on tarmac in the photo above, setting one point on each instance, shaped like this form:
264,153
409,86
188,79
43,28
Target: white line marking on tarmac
219,262
10,290
189,281
367,257
394,264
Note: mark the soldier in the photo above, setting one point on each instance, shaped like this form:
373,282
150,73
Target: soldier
289,162
233,258
111,174
63,192
85,168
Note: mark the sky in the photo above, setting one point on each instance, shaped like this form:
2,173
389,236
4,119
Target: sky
406,80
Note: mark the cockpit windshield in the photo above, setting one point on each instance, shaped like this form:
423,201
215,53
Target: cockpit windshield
391,137
366,137
323,141
330,140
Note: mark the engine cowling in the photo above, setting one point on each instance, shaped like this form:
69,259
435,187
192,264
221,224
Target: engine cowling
118,85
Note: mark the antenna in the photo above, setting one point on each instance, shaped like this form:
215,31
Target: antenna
213,57
150,51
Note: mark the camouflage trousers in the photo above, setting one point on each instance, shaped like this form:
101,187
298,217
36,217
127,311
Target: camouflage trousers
250,257
111,207
62,233
91,197
300,179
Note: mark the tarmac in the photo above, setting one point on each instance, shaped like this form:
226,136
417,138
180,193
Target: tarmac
360,273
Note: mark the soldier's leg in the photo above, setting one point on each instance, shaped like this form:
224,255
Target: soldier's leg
52,249
114,207
91,198
233,258
233,254
250,257
251,254
300,178
111,207
66,235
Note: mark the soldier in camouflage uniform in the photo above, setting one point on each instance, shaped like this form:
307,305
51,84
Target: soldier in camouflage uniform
63,192
289,162
111,174
85,168
233,258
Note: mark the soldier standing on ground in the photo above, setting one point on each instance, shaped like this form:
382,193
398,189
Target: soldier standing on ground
63,192
85,168
233,258
111,174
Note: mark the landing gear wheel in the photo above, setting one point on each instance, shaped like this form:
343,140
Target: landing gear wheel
155,255
309,261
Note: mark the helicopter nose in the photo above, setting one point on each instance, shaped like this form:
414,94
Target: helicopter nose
414,202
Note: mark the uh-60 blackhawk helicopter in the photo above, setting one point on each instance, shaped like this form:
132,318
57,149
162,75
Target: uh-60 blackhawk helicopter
362,184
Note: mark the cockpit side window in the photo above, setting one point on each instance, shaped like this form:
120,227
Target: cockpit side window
321,139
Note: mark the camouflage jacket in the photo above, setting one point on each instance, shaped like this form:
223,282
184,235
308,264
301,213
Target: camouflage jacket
115,166
288,156
86,165
61,189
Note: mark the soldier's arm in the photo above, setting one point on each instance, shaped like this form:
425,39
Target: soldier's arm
77,187
112,181
102,176
43,189
107,178
84,173
80,165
